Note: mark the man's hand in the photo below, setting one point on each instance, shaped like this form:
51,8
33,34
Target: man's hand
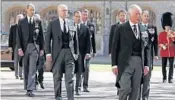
88,56
156,57
49,57
94,54
146,70
41,52
20,52
110,55
115,70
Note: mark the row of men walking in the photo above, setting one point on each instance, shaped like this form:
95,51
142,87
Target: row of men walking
68,46
133,46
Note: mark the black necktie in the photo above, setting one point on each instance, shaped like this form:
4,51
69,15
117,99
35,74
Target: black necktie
135,30
64,26
30,21
78,30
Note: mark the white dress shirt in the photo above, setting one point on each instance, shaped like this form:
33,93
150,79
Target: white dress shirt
132,26
28,18
62,24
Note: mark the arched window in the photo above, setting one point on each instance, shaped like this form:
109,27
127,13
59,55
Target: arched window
48,15
13,13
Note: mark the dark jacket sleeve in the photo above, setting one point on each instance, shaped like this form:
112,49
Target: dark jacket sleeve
111,37
146,56
11,37
41,38
93,41
76,45
19,35
48,38
155,43
88,44
115,46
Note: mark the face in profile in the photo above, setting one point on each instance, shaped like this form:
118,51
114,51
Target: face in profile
30,11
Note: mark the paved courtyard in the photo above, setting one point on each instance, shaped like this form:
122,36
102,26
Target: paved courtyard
101,87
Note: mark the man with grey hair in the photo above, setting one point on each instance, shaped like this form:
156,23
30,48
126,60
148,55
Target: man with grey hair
153,53
129,56
64,51
40,63
30,46
13,47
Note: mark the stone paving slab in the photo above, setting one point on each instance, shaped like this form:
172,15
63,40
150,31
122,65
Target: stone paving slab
101,86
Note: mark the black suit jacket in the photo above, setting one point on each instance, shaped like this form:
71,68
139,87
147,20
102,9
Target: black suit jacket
23,34
12,38
92,36
53,40
84,46
122,48
111,35
153,40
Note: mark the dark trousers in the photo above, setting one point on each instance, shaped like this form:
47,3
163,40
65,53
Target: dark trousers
80,65
64,61
40,69
164,64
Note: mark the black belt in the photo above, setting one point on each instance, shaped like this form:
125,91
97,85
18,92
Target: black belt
136,53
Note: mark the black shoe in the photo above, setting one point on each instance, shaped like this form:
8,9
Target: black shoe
170,81
21,78
42,85
164,80
77,93
17,77
86,90
30,94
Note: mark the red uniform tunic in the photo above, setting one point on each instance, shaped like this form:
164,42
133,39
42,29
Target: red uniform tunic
170,47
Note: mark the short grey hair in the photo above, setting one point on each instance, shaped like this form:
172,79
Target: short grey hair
31,5
134,6
145,11
62,5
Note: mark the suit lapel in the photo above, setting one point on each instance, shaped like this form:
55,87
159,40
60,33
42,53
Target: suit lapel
26,27
129,32
59,31
81,30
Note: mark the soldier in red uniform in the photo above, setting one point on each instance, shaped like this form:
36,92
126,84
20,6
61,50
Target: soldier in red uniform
166,41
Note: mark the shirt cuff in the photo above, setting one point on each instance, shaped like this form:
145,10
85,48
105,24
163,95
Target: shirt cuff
115,66
48,55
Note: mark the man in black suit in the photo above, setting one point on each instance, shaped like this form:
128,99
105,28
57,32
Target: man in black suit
63,51
91,28
84,48
40,63
129,55
153,53
30,45
122,18
13,47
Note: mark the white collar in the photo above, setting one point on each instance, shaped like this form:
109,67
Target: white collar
131,24
84,22
61,20
28,18
145,24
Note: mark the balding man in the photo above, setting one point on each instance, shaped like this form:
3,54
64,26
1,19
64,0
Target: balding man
129,56
12,44
62,52
153,48
30,46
